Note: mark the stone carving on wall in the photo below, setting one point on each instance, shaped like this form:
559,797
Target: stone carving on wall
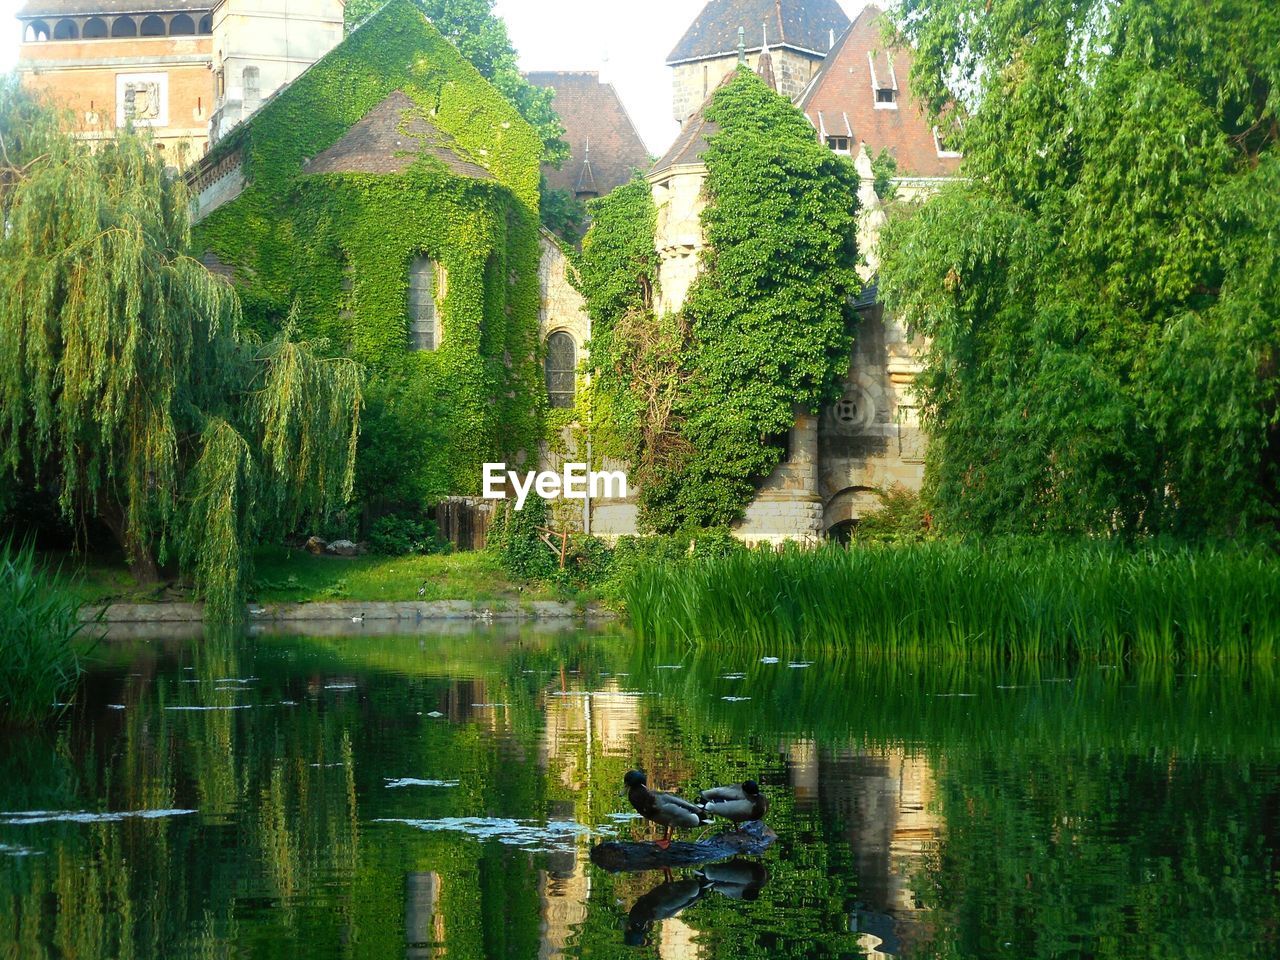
852,413
142,99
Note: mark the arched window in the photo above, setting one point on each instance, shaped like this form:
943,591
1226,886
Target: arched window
37,31
426,278
206,24
152,26
124,27
95,28
562,370
65,30
181,26
250,80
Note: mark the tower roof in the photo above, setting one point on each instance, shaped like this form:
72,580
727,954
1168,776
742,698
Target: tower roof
800,24
605,149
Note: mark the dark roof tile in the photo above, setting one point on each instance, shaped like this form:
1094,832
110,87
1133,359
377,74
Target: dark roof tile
389,139
113,8
802,24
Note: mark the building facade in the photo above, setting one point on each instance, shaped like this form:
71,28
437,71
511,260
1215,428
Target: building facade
119,62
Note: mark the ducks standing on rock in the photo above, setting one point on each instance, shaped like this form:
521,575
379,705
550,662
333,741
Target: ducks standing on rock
739,804
665,809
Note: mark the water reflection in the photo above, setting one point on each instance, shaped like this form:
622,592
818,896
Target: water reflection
439,794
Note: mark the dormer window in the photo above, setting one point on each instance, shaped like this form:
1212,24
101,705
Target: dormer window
884,81
838,144
941,144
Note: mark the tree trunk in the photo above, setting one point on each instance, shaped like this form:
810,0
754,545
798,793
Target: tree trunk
142,565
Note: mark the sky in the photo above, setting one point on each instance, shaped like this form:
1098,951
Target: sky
626,40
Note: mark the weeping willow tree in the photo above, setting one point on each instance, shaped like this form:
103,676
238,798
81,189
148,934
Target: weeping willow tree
127,391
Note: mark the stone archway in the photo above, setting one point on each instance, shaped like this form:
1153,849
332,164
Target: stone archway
840,514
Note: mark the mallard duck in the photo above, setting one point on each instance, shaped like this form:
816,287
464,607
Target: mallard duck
663,902
740,804
736,879
665,809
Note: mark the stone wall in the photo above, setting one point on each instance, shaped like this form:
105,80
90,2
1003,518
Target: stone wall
692,83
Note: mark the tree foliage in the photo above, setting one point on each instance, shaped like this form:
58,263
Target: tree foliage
1101,293
765,329
126,389
481,37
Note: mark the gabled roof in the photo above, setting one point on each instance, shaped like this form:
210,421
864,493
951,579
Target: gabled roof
605,148
694,138
389,139
113,8
801,24
841,100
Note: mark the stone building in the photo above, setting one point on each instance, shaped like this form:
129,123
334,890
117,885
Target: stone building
799,34
113,62
605,149
856,96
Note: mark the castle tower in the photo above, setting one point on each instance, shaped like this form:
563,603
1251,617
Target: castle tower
799,34
261,45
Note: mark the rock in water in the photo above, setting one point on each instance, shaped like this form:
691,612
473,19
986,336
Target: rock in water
754,839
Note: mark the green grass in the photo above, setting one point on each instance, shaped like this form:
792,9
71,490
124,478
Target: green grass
39,630
1023,600
284,575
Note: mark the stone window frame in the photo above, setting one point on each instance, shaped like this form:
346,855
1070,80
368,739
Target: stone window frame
558,397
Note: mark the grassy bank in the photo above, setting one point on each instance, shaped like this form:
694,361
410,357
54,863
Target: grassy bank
283,575
1010,601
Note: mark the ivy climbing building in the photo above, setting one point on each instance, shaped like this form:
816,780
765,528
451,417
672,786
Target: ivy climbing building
386,201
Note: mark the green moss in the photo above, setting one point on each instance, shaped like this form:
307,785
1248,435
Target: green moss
292,237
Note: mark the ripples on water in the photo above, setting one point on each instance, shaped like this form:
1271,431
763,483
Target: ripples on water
437,795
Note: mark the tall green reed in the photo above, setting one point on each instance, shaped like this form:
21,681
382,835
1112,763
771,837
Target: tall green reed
993,603
39,632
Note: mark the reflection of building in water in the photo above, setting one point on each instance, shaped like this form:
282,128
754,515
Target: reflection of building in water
885,802
423,921
577,727
678,941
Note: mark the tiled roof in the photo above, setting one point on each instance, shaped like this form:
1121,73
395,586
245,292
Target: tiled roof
594,117
803,24
78,8
841,101
388,139
692,142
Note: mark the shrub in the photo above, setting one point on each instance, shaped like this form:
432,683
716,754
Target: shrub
39,662
398,535
903,517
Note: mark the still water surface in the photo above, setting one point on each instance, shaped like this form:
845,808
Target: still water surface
437,795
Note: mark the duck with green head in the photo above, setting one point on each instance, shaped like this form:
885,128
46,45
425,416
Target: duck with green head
665,809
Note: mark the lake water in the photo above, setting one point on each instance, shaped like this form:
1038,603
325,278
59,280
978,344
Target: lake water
437,795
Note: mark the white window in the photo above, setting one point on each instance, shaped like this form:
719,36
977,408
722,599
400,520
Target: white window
942,145
838,144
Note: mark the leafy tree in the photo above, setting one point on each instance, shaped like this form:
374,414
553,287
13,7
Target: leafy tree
482,38
126,390
1101,292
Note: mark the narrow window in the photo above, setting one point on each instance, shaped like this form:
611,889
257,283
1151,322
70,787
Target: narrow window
424,326
562,375
250,79
206,24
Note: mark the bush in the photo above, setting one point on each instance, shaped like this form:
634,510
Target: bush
398,535
903,517
39,663
514,538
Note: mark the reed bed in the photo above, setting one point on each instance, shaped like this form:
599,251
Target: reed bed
39,631
998,603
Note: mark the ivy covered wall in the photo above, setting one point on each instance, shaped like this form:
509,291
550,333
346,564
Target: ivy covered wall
339,246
